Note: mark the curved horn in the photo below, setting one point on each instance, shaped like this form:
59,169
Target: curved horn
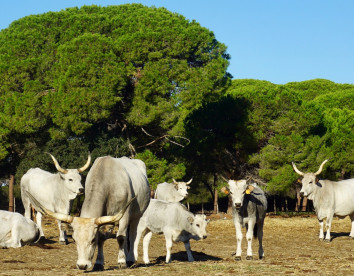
40,208
60,169
321,167
296,170
86,165
111,219
189,182
174,181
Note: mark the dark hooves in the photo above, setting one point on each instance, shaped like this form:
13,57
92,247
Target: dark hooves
238,258
98,267
249,258
131,264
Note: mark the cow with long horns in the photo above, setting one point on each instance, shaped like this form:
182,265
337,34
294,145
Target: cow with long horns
330,199
54,192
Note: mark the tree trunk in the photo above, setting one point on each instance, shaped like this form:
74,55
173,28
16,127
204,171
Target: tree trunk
216,206
11,193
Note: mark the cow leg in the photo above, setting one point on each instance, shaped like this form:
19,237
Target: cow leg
122,239
63,239
168,238
260,239
133,226
328,225
352,230
238,241
99,264
39,224
249,236
146,241
321,236
187,245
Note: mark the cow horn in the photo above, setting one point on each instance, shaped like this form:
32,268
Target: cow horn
40,208
296,170
86,165
111,219
321,167
189,182
174,181
60,169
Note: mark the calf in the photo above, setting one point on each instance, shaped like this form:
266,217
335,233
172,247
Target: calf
175,222
249,206
16,230
172,192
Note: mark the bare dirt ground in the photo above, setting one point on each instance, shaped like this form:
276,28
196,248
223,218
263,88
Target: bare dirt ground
291,247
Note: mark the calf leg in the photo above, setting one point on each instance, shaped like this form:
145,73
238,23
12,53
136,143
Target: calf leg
187,245
168,238
238,241
328,225
146,241
249,236
321,236
352,230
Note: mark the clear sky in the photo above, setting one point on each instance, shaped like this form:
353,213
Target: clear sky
275,40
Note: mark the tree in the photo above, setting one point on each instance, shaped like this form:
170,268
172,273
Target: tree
139,69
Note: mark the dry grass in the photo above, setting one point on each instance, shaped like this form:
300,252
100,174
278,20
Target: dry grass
291,247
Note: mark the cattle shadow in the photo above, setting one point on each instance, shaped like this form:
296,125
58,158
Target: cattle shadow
339,235
180,257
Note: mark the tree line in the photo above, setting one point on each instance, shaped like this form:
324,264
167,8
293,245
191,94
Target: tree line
148,83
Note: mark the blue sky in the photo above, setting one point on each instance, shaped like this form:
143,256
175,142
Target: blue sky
275,40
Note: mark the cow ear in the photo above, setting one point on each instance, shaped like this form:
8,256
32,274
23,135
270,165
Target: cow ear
225,190
190,220
249,190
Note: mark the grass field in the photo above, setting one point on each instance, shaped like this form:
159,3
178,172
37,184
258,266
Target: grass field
291,247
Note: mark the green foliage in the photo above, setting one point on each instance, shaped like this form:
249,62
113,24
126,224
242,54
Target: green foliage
159,170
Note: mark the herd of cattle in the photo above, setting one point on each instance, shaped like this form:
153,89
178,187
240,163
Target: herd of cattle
117,193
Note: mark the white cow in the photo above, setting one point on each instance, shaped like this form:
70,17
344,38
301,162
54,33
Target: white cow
116,189
54,192
16,230
249,206
172,192
330,198
175,222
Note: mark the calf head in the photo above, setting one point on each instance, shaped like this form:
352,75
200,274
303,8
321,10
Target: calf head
71,178
198,224
182,187
85,231
309,180
237,189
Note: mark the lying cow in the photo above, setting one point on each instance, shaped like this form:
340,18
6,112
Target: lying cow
172,192
16,230
329,198
175,222
249,206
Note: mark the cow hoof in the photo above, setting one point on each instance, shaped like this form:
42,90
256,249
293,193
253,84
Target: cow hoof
122,265
98,267
320,239
63,242
130,264
261,257
249,258
238,258
327,240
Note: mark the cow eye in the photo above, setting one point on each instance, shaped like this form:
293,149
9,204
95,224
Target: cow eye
310,182
198,225
70,179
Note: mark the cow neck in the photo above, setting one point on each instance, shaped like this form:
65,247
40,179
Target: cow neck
93,205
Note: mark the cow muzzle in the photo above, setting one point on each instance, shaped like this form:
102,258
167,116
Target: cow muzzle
238,205
302,194
81,191
83,266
